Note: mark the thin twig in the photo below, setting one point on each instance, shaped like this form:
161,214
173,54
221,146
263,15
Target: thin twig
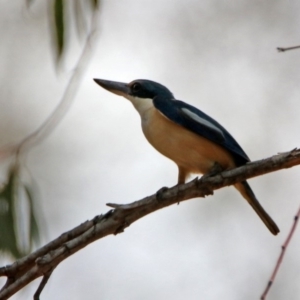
42,284
280,258
280,49
48,257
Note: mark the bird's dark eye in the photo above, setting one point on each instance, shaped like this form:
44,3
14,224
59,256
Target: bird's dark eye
136,87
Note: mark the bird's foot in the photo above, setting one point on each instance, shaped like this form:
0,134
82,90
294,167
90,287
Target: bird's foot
216,168
160,192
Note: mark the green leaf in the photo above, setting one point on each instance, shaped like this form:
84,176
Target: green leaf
8,236
11,239
59,26
34,235
95,3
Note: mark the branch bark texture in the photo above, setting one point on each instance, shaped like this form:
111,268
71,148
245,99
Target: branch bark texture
43,261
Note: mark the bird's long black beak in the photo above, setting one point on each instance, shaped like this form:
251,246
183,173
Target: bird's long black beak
119,88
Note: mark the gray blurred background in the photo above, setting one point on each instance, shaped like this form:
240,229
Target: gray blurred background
217,55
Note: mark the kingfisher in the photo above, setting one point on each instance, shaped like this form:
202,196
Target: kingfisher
183,133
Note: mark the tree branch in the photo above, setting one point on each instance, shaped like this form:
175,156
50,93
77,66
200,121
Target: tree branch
280,258
280,49
47,258
43,283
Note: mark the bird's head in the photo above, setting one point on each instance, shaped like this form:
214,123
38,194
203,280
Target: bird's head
139,92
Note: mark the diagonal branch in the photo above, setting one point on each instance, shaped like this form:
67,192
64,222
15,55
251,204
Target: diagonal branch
44,260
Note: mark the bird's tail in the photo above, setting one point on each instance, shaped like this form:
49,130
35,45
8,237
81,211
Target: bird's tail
244,188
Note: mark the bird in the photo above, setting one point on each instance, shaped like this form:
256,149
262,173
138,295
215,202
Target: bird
186,135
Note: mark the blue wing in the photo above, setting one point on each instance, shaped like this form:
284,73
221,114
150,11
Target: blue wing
198,122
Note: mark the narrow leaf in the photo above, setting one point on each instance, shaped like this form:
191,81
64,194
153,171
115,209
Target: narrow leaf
95,3
8,236
59,26
34,230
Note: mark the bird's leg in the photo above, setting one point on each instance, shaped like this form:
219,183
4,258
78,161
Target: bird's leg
181,175
181,180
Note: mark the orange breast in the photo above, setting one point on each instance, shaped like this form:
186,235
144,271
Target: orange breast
188,150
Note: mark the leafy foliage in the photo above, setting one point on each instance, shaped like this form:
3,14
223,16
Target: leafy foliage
13,217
